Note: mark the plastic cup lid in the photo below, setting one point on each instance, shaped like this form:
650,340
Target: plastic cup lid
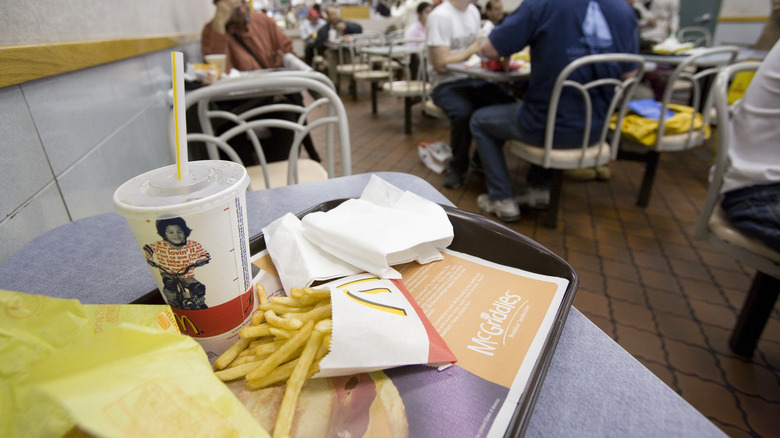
160,189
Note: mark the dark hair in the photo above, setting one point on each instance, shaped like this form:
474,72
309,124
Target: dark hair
421,7
162,224
489,5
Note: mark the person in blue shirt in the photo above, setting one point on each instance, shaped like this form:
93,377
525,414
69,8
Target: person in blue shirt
557,32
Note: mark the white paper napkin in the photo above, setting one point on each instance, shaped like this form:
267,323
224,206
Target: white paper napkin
385,227
298,262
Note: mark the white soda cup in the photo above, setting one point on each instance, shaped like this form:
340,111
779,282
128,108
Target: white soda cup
193,236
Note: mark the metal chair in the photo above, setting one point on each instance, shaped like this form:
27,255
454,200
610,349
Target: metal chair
412,89
309,118
355,65
587,155
707,63
714,227
699,36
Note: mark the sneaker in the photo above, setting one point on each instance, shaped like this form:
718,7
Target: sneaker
588,174
452,179
504,209
603,173
534,198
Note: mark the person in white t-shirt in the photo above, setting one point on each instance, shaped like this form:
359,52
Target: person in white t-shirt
453,29
751,184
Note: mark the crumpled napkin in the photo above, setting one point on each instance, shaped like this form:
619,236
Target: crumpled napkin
298,261
384,227
473,61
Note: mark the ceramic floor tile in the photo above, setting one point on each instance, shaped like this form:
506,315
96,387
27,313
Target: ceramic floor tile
642,344
659,280
662,302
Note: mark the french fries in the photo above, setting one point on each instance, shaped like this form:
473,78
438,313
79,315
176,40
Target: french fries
285,343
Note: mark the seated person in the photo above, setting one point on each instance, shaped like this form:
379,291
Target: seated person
334,22
547,31
416,31
252,41
657,20
309,28
494,15
751,184
453,36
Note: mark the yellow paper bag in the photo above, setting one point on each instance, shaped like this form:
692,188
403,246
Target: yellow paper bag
107,370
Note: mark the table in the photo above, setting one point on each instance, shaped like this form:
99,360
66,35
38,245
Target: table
399,50
744,54
489,75
593,387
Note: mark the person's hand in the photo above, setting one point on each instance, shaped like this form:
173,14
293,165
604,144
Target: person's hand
222,15
473,49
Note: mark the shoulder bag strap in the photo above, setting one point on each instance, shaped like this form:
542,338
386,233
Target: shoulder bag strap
246,47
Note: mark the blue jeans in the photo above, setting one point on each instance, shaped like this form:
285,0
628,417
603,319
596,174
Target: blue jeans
755,211
492,126
459,100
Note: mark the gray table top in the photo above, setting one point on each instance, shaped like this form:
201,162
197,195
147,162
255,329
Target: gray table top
593,386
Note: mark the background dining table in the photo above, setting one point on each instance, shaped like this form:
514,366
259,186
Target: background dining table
593,387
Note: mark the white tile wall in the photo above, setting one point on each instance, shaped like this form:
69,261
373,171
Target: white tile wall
70,140
25,170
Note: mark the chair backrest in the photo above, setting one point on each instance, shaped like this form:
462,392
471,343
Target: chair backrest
622,90
403,49
696,70
353,45
699,36
719,94
325,111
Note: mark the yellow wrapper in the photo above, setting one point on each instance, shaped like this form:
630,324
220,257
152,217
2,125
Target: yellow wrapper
110,370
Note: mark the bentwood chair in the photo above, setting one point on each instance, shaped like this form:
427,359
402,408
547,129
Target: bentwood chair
326,111
706,63
588,155
714,227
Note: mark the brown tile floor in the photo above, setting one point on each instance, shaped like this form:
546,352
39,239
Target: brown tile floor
666,298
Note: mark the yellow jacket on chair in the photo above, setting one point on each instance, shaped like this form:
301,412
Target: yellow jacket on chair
644,130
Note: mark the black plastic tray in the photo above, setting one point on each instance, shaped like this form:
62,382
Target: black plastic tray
489,240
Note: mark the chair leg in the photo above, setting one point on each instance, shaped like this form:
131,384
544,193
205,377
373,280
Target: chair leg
759,303
551,219
408,102
374,92
647,180
353,88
